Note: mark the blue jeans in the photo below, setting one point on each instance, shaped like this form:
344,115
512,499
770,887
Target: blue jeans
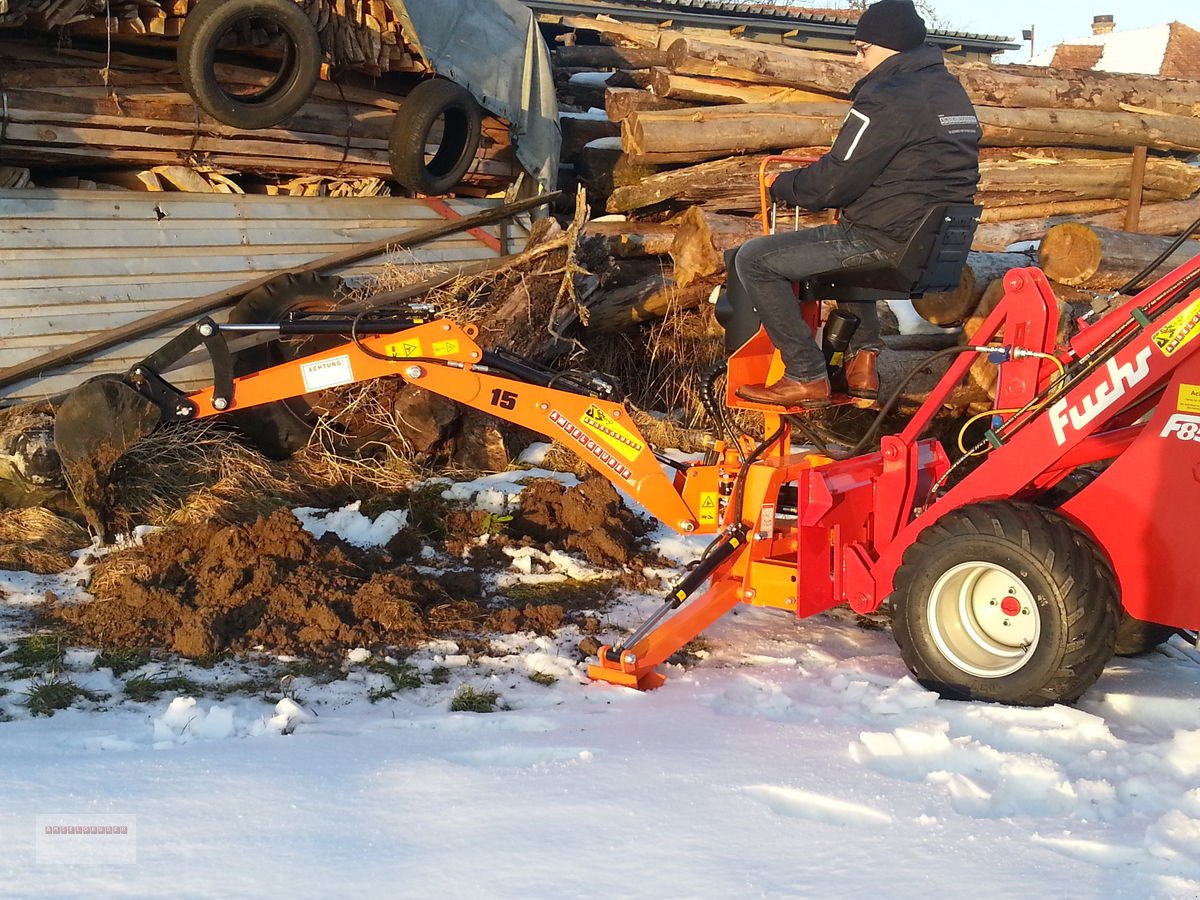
761,278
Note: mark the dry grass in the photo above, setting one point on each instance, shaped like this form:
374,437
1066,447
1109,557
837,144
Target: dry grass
42,529
197,472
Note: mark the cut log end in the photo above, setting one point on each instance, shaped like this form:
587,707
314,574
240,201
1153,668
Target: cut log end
1071,253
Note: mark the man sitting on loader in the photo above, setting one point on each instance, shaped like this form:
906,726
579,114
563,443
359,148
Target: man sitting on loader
910,142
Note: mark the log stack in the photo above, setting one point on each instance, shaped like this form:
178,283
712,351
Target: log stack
696,117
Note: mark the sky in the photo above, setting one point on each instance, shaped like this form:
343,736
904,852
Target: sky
1055,22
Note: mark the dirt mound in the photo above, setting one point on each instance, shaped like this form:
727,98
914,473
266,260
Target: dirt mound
270,584
589,518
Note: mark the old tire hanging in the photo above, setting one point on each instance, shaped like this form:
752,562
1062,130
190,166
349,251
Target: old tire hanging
430,104
280,428
1005,602
206,26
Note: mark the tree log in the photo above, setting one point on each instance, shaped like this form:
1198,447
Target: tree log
1089,179
580,130
620,102
602,57
1158,218
724,185
604,169
750,127
701,239
625,240
986,84
999,212
652,298
666,83
1103,259
704,132
1086,127
953,307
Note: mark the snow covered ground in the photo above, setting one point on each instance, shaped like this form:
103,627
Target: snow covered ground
794,758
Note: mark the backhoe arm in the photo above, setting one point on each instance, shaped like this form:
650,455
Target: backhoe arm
442,356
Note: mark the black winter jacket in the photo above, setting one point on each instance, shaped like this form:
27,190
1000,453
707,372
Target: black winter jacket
910,141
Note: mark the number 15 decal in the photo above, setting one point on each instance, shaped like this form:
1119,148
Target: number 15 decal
504,399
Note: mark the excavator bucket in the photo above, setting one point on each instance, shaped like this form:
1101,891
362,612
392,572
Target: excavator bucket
93,427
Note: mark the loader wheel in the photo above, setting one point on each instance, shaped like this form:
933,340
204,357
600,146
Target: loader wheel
278,30
434,137
281,428
1005,602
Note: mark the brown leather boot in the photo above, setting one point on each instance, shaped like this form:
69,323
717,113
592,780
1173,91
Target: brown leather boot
862,376
789,393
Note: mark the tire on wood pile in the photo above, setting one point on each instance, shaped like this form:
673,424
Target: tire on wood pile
1135,636
436,113
207,25
280,428
1005,602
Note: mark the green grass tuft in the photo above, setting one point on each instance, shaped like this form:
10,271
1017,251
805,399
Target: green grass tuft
122,659
404,678
439,675
543,678
44,698
467,699
37,654
143,688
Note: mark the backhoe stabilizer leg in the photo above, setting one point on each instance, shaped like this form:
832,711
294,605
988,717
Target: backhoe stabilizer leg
633,664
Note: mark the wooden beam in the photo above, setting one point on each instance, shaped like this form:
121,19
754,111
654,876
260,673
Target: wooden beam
1137,180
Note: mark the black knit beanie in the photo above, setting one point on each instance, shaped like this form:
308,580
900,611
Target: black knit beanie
894,24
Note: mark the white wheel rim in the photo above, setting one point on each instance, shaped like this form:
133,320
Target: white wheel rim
983,619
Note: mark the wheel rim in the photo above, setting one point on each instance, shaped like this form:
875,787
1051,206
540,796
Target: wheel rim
984,619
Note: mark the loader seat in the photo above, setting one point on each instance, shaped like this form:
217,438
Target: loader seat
932,261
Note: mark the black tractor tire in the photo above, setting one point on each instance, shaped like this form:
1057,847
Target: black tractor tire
279,429
429,103
1005,602
1135,637
300,66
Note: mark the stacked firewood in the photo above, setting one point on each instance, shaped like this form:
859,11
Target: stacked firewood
363,35
128,115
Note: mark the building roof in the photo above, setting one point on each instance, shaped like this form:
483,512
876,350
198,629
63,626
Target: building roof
1172,50
780,16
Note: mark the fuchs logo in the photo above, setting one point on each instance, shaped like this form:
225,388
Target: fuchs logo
1184,427
1121,377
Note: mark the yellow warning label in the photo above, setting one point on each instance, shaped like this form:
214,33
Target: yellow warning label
708,508
1179,331
1189,398
608,430
445,348
404,349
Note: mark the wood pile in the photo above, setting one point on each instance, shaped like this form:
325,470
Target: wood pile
690,120
363,35
125,119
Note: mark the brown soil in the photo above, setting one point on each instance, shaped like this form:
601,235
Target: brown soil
589,518
206,589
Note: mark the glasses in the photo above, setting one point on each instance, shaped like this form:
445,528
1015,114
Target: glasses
861,49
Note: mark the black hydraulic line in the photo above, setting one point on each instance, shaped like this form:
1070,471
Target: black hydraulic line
1132,285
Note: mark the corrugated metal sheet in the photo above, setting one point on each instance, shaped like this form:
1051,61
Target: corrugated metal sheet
73,263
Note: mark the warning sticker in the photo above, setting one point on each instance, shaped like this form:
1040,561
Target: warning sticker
708,508
445,348
328,373
577,434
613,434
404,349
1179,331
1189,398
